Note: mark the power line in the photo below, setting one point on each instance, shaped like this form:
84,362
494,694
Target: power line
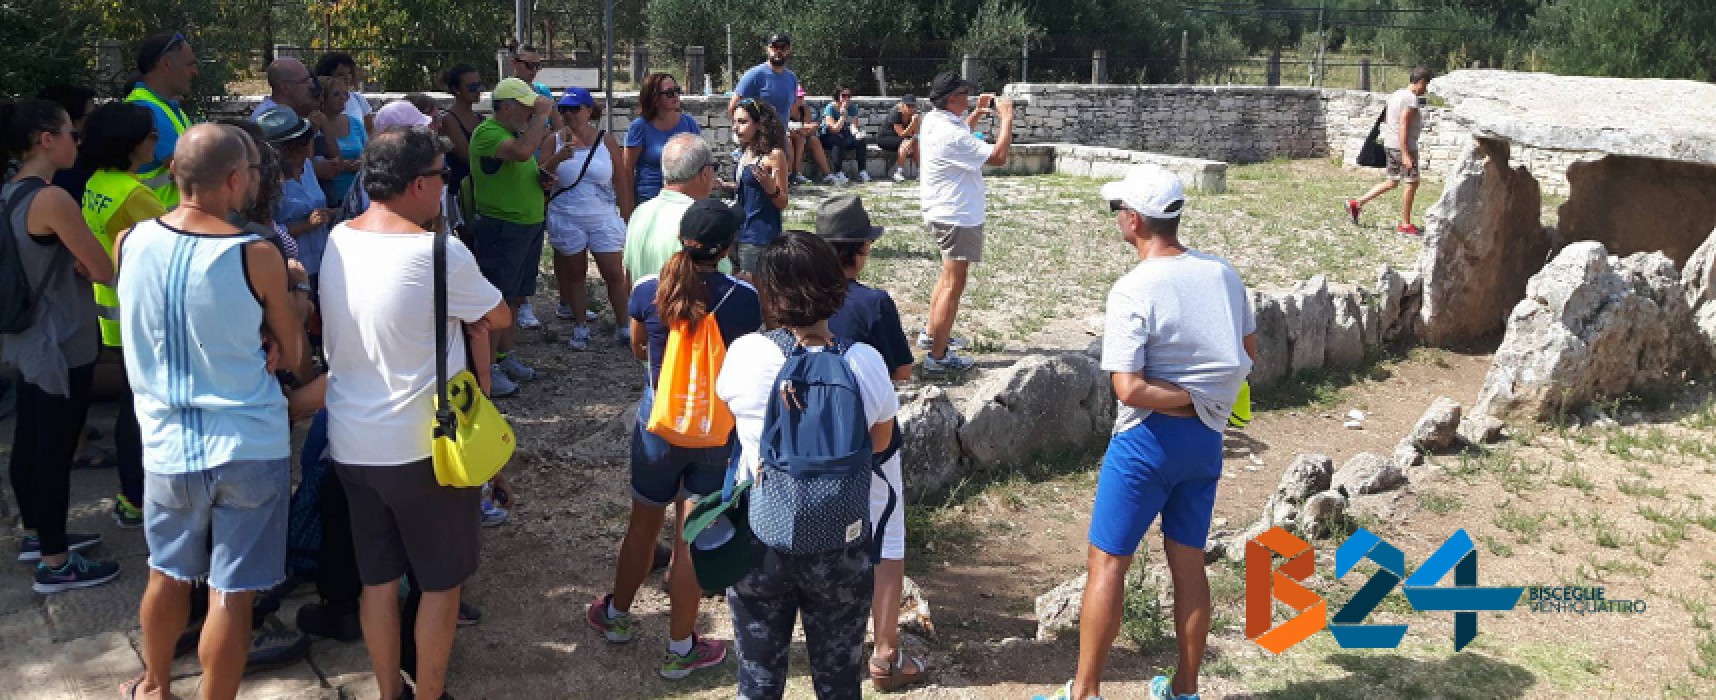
1347,23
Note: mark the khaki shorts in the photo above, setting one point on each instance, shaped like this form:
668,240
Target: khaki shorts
958,242
1397,169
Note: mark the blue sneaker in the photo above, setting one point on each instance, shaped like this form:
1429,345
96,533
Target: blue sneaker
1163,689
30,546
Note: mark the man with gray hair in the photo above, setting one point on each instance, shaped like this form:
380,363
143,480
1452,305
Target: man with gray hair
652,236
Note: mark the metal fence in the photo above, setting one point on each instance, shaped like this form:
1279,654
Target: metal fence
913,74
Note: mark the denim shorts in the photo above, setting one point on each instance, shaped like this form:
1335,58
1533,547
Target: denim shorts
1168,465
663,473
226,524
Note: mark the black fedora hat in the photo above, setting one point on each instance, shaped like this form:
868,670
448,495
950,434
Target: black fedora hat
842,219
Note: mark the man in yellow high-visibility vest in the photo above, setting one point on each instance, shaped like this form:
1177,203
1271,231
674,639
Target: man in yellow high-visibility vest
167,65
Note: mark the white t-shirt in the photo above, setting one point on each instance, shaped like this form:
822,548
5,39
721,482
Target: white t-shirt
748,378
1400,103
594,195
1182,320
378,297
950,177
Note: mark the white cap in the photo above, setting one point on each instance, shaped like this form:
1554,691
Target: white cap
1149,190
399,113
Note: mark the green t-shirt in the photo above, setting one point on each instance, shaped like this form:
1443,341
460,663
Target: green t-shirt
512,193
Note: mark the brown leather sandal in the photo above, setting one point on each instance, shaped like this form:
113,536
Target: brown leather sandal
902,671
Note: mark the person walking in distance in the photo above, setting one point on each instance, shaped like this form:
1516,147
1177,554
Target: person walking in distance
379,270
1403,121
120,137
216,436
951,191
55,346
688,290
166,66
1178,341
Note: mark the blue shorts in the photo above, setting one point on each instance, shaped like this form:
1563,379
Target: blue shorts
226,524
663,473
1165,465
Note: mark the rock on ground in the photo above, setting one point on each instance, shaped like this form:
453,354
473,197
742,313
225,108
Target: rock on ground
1592,327
1306,476
1438,428
1058,610
930,427
1323,515
1309,311
1274,347
1041,403
1344,345
1698,281
1366,473
1480,430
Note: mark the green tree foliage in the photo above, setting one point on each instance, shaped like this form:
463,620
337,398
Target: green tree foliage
1630,38
35,52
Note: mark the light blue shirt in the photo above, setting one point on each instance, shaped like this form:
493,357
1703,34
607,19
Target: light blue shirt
297,199
780,90
193,352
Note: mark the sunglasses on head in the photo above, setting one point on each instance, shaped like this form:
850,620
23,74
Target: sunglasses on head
171,44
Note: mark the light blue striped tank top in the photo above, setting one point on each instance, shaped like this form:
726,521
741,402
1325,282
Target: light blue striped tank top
194,354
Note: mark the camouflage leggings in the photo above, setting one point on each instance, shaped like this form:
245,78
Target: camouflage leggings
831,592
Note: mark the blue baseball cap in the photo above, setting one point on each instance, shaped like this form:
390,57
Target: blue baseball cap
577,97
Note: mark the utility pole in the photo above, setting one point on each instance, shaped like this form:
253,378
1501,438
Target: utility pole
608,62
521,21
729,55
1322,44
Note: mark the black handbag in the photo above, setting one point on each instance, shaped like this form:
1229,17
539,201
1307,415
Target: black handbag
1372,155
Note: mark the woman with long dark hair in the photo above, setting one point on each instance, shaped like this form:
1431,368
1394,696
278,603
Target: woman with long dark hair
339,152
689,289
661,119
465,84
54,346
118,139
762,178
802,285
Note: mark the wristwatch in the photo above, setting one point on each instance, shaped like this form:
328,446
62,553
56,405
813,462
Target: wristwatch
301,287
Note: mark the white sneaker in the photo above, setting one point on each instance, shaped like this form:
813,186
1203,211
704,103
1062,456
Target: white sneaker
580,338
623,336
830,179
899,175
841,178
800,179
527,318
516,370
500,386
863,176
925,342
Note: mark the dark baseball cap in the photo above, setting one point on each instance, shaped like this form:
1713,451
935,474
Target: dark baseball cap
779,38
909,99
709,226
947,83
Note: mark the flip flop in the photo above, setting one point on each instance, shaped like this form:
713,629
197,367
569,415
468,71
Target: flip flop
128,689
895,675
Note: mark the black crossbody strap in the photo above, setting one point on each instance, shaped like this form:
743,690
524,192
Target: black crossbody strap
587,158
443,409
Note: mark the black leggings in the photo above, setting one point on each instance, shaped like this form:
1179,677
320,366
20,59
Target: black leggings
128,448
44,441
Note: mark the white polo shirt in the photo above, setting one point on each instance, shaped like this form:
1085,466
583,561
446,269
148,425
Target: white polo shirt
950,178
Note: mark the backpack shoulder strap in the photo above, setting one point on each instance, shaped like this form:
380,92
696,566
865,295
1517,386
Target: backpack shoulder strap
587,158
24,192
717,306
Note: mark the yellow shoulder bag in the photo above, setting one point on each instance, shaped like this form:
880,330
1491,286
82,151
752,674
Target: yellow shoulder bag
472,439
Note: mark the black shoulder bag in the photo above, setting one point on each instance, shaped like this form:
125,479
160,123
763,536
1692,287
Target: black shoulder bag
599,143
1372,154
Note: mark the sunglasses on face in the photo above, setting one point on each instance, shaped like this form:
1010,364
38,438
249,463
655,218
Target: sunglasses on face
781,47
671,92
1116,206
846,95
574,109
474,87
533,65
444,172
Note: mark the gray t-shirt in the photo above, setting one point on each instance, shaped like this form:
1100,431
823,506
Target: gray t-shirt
1182,320
63,331
1401,103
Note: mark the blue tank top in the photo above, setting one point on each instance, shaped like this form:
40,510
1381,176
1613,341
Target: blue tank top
194,353
762,219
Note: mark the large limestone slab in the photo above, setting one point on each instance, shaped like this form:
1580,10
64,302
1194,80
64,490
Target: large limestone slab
1483,239
1669,119
1042,403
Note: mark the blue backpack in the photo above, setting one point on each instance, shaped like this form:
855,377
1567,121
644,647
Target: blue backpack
812,491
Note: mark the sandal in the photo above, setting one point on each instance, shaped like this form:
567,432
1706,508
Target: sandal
128,689
899,673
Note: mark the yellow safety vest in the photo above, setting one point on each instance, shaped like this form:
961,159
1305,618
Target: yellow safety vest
103,197
160,179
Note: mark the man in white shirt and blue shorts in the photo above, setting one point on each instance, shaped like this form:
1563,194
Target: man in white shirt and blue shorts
1178,341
